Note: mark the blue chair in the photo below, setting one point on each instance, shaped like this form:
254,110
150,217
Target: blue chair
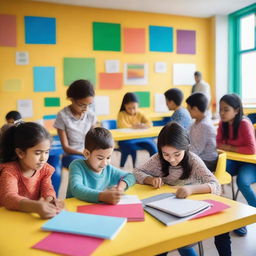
252,117
109,124
162,122
55,160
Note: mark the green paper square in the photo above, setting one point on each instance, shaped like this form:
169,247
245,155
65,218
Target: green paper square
106,36
79,68
51,102
144,99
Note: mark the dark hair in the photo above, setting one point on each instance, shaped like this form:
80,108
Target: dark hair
128,97
98,138
15,115
198,73
174,135
22,136
80,89
174,94
198,100
233,101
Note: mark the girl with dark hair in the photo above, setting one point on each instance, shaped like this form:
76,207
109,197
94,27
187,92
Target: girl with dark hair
236,133
75,120
175,165
25,176
130,117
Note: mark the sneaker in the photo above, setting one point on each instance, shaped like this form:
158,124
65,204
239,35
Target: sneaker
241,231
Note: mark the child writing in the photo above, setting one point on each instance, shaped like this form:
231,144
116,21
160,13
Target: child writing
25,176
202,133
94,179
130,117
236,133
175,165
174,98
75,120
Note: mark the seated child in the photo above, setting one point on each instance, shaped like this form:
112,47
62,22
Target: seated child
202,132
174,98
11,118
176,165
25,176
94,179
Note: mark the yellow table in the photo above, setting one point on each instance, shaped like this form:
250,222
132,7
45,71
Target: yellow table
129,134
19,231
241,157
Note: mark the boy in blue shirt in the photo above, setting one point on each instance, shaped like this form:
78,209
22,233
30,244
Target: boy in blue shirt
174,98
94,179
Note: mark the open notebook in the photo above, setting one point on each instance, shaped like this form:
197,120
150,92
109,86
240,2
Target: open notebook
179,207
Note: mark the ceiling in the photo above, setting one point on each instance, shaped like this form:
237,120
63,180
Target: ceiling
195,8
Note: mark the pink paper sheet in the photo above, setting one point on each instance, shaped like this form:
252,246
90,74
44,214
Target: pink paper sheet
69,244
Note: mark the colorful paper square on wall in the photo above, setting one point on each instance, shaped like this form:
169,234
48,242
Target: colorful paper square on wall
79,68
144,99
110,80
40,30
106,36
52,102
12,85
44,79
186,41
134,40
48,122
8,30
160,39
136,74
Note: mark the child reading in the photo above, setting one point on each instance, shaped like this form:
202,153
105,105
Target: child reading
75,120
174,98
202,133
236,133
129,116
175,165
25,176
94,179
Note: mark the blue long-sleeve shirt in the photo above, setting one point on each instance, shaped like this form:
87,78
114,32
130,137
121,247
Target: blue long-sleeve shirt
86,185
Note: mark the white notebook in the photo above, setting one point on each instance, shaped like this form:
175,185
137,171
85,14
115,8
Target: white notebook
179,207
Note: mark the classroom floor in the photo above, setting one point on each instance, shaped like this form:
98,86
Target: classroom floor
241,246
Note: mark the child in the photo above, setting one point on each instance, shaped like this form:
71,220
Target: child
202,132
236,133
130,117
94,179
11,118
174,98
75,120
25,176
175,165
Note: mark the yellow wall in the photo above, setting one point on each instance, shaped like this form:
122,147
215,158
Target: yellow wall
74,39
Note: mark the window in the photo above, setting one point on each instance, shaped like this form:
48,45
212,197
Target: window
242,53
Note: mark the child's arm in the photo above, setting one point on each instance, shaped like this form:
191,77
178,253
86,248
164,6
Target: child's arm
110,196
188,190
65,145
46,187
156,182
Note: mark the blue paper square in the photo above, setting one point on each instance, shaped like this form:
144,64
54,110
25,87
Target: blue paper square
44,79
161,39
40,30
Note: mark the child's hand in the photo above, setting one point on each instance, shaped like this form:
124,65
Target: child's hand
46,209
111,196
183,192
157,182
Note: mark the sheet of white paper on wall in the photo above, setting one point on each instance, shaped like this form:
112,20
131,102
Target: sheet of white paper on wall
112,66
160,105
101,105
160,67
22,58
25,107
183,74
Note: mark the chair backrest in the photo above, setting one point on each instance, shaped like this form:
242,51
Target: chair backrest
220,173
109,124
252,117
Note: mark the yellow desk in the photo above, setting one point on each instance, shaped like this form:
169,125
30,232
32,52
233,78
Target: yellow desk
159,116
19,231
241,157
125,134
